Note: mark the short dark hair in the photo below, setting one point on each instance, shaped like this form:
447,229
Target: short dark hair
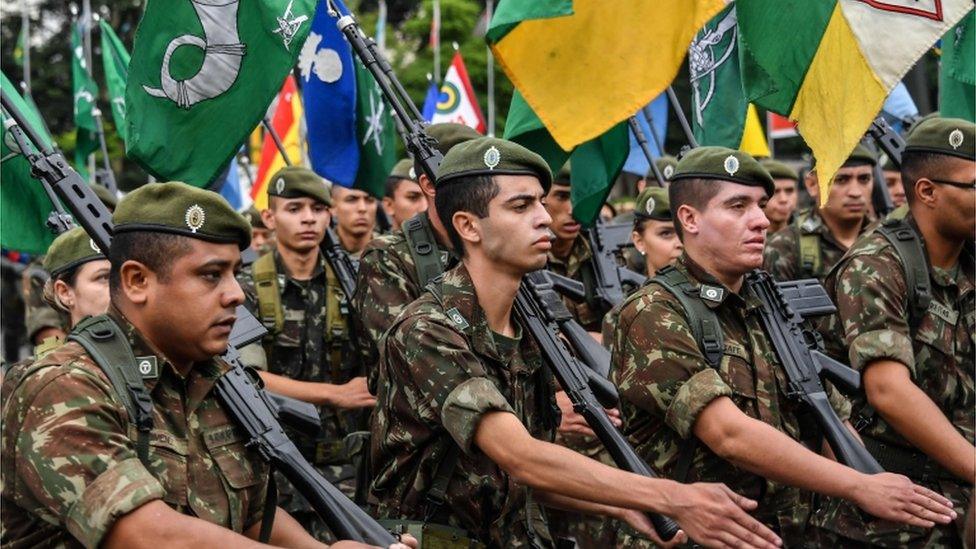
157,251
392,184
917,164
694,192
464,194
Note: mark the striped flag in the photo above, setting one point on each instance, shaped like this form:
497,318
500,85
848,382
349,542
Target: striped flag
456,102
286,122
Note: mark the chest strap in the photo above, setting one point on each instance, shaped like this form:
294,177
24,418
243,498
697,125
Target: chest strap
908,246
423,248
268,293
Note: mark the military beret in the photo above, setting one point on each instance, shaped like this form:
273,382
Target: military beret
106,196
665,164
563,176
178,208
493,156
860,156
887,165
299,182
653,203
254,217
948,136
449,134
779,170
723,164
404,170
69,250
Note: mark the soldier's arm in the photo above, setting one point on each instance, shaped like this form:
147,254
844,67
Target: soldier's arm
352,394
155,525
382,292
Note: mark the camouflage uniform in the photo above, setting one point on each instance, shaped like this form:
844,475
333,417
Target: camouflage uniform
869,290
783,258
665,382
573,266
386,283
70,468
441,370
301,351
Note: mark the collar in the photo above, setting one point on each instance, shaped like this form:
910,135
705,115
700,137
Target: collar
281,268
713,293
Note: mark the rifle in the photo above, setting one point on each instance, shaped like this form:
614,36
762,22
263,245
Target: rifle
798,349
893,145
613,282
237,389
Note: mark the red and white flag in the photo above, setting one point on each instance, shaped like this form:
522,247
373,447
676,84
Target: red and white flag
778,126
457,102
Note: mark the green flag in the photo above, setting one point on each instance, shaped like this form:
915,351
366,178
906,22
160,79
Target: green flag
115,62
201,78
376,134
957,78
595,163
20,48
24,206
718,102
85,92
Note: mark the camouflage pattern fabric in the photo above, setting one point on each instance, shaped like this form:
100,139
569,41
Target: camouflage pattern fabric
872,321
572,266
387,282
782,254
70,467
441,370
37,313
665,382
303,351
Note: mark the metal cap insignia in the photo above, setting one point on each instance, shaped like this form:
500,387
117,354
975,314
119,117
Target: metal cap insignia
731,164
649,208
955,138
412,173
195,216
94,246
280,185
668,172
492,157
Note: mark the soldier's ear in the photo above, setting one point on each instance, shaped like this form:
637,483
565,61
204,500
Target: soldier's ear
267,216
812,184
136,281
468,227
925,192
426,186
689,218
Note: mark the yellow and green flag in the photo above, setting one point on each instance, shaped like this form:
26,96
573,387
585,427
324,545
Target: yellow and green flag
842,59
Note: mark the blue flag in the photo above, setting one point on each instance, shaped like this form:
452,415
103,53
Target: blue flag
329,85
229,185
430,102
636,161
899,107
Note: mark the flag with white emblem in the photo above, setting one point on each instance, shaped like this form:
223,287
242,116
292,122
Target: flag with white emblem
85,92
376,135
456,101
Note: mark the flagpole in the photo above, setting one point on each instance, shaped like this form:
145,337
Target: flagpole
437,40
25,21
277,140
490,66
682,119
646,111
96,112
642,141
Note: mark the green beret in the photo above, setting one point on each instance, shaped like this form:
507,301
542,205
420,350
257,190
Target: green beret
299,182
665,164
948,136
404,170
653,203
178,208
106,196
860,156
69,250
493,156
563,176
254,217
887,165
449,134
779,170
723,164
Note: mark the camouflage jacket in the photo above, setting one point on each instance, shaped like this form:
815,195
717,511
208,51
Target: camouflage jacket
441,370
70,467
872,323
665,382
783,257
574,266
387,282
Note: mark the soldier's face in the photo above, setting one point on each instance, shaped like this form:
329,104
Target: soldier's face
89,296
299,223
561,209
515,236
355,210
850,194
781,205
658,243
407,201
955,206
895,189
259,238
730,233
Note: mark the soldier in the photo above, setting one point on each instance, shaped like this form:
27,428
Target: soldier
905,300
665,164
355,215
892,176
697,415
75,470
779,210
309,354
818,238
403,198
262,238
465,406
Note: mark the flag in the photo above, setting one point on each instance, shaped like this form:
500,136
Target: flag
595,164
636,162
718,104
957,74
115,62
20,47
376,135
85,92
779,127
228,185
842,60
286,122
24,206
430,101
583,68
329,94
456,101
201,78
753,141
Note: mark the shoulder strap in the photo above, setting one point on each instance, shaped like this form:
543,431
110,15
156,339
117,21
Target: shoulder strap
268,293
423,248
811,260
704,323
105,344
908,246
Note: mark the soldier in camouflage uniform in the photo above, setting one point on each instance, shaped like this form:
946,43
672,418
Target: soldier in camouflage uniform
817,239
309,354
262,238
355,214
917,411
779,210
403,197
695,415
73,474
465,407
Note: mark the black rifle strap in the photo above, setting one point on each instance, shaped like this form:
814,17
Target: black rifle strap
437,495
103,341
423,248
907,244
270,507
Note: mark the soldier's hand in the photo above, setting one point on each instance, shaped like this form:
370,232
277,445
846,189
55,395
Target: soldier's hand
715,516
570,422
638,520
895,497
353,394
